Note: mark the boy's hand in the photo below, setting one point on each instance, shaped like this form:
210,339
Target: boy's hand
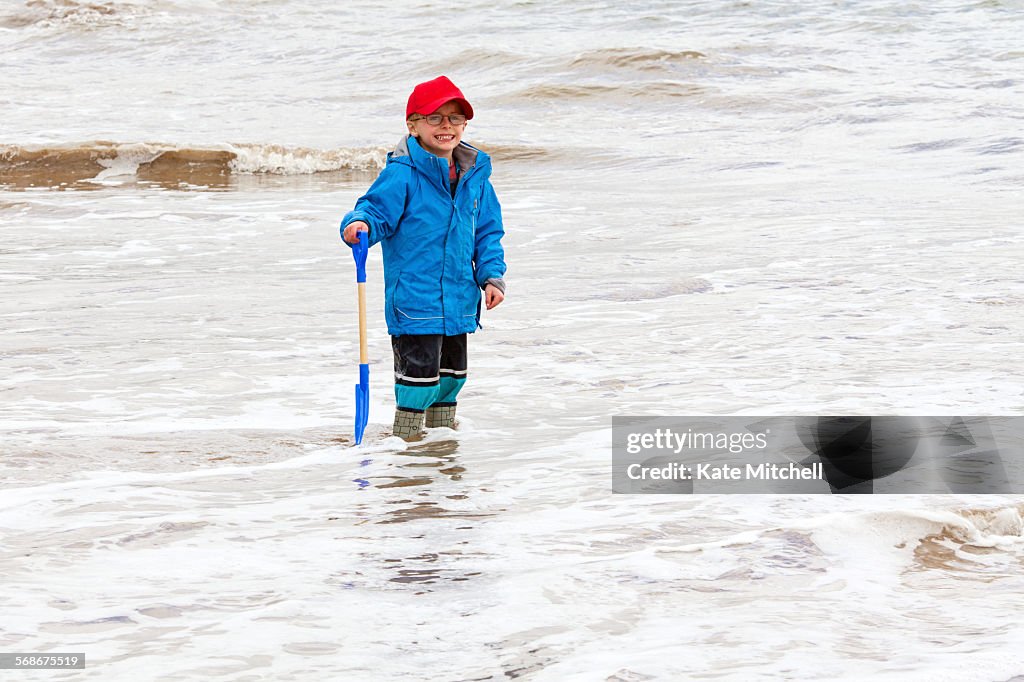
350,236
492,296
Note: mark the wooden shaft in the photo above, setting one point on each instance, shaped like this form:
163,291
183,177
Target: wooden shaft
363,354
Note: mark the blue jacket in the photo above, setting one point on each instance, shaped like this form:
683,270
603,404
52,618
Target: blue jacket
439,252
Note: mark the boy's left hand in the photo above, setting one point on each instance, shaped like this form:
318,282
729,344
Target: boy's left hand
492,296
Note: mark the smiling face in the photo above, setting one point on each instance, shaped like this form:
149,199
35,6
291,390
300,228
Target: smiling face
441,139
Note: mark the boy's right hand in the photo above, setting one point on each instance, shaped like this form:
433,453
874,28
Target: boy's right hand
349,235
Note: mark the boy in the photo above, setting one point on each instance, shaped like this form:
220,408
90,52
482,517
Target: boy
438,221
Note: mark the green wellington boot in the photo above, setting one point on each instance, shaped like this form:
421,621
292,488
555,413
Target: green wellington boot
407,424
441,415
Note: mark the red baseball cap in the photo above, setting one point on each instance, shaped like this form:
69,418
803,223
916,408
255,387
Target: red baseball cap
426,98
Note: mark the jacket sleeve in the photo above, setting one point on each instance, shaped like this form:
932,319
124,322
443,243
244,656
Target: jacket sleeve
383,204
488,254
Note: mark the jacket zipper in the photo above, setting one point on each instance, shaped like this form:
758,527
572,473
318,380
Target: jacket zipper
444,246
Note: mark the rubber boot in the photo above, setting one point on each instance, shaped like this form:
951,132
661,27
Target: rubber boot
441,415
407,424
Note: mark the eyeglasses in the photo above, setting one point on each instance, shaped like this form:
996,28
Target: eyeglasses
435,119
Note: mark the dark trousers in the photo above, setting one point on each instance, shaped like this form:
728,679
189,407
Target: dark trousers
430,370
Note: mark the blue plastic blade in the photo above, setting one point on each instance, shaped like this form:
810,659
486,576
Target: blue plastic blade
362,402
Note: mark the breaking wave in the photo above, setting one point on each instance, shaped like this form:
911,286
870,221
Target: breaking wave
101,163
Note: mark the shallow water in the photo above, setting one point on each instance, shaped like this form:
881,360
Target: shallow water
711,208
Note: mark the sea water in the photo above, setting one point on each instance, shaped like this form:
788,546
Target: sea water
711,208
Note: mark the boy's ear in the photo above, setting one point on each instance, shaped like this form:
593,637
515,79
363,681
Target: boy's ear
412,128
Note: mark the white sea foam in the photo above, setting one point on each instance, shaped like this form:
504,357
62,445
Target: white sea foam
284,161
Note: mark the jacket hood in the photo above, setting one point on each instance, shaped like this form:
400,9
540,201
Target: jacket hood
409,151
